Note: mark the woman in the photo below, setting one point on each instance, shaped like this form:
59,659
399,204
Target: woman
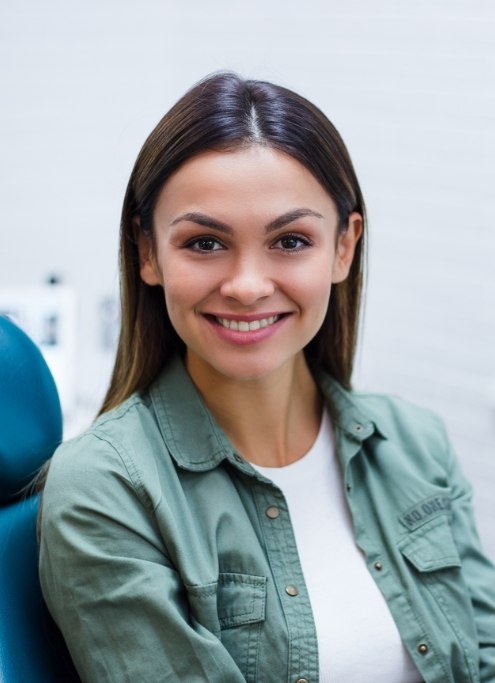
237,513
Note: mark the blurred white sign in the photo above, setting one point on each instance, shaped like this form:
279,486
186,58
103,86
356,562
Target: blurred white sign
48,315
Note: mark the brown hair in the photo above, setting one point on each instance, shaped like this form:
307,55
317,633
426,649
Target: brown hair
225,112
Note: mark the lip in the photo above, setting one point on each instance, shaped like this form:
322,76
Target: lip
244,338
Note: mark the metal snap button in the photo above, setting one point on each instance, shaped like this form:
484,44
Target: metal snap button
378,566
422,648
272,512
291,590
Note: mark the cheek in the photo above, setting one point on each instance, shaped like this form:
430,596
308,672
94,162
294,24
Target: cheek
179,295
184,287
316,292
313,285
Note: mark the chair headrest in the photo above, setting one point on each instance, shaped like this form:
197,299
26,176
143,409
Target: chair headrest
30,413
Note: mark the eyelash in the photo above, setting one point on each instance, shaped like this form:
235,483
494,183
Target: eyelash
192,245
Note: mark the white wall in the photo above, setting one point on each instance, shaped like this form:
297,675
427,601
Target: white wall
409,85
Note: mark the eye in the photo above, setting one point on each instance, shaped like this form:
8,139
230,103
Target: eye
292,243
204,244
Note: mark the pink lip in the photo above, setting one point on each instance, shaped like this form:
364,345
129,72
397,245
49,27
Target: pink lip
246,338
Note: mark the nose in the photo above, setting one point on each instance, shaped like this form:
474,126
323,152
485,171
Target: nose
248,282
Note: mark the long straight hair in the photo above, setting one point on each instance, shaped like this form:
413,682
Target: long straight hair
225,112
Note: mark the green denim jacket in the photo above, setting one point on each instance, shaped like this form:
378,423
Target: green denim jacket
159,561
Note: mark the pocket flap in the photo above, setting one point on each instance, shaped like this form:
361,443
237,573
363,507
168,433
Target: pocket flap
241,599
431,547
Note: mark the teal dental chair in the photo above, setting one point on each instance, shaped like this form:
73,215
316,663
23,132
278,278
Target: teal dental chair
31,647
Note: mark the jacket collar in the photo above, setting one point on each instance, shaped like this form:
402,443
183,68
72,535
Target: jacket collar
190,431
197,442
352,424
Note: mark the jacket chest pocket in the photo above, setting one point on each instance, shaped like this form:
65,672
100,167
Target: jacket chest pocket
241,612
233,608
241,599
431,547
433,554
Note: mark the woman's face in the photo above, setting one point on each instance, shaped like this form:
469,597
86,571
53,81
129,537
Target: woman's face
246,250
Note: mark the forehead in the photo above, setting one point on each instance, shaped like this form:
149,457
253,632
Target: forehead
252,178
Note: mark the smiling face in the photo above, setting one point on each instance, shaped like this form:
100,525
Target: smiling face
246,247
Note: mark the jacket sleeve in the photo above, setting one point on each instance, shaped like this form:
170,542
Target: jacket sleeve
108,581
479,572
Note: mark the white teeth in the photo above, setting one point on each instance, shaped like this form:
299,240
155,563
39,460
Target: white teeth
245,326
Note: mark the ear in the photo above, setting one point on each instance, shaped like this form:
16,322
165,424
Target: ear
147,264
346,246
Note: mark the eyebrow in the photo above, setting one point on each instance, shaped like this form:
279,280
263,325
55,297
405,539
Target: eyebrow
277,223
289,217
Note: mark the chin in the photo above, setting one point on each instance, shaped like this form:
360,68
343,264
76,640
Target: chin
252,369
247,374
241,366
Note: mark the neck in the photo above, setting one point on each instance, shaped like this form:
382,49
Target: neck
272,421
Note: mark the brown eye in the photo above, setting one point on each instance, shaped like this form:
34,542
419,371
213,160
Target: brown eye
292,243
204,244
289,242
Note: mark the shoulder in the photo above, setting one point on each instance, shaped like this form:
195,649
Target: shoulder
394,415
119,447
408,430
391,415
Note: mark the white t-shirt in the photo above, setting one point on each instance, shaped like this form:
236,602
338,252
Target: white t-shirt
358,640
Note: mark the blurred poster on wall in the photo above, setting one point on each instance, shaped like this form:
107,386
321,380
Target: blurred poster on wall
48,315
